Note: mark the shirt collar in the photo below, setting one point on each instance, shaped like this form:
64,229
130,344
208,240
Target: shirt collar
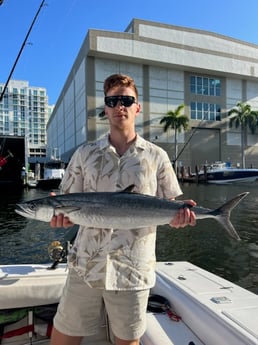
139,143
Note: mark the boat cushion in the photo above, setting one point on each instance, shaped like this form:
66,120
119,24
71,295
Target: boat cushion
30,285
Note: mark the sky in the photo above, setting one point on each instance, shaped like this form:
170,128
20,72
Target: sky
62,25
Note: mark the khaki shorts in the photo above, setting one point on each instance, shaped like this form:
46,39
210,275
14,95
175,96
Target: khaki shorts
81,310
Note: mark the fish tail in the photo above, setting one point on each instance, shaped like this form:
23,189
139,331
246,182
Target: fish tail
222,214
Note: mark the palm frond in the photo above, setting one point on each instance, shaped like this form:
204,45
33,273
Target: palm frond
175,120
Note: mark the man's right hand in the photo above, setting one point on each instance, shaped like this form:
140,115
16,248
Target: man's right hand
60,221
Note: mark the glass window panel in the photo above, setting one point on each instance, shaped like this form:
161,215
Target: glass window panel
218,112
192,79
199,106
211,88
192,88
199,111
205,111
218,90
193,110
199,85
193,84
205,86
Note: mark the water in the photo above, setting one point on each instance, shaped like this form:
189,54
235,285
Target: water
23,240
206,245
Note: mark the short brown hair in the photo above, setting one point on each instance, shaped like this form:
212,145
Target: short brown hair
116,80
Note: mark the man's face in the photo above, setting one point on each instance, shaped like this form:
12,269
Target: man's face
122,111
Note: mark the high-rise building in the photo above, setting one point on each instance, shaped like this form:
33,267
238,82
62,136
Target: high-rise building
24,111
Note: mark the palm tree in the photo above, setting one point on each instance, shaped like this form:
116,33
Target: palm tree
244,117
178,122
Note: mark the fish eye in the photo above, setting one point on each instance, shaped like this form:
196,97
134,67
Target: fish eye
33,206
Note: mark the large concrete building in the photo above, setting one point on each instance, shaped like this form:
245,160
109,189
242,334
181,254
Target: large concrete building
207,72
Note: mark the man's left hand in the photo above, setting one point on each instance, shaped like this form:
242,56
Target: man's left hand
184,216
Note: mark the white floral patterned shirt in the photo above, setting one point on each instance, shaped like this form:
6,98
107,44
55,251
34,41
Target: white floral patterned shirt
116,259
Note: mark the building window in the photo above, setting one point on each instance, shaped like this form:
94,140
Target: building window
205,111
205,86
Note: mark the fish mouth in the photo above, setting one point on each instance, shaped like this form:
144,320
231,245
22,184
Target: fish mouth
21,210
24,211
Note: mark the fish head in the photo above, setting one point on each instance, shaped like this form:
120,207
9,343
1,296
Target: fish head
36,209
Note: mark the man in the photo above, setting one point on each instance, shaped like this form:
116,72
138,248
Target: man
113,267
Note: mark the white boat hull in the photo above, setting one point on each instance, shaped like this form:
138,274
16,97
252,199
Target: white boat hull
214,311
234,180
193,292
220,173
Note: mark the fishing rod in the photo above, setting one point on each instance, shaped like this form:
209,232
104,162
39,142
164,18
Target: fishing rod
22,47
187,142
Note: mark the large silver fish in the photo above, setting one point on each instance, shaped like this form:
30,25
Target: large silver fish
121,210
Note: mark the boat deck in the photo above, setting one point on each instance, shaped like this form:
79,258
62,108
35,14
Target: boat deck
162,330
228,311
213,310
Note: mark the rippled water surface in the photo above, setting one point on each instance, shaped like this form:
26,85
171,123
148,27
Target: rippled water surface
206,245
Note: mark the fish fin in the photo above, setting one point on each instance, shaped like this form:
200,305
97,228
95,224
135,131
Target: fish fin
222,214
128,189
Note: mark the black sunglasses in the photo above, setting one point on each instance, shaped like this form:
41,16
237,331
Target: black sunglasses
126,101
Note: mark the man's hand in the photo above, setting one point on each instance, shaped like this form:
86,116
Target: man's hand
60,221
184,216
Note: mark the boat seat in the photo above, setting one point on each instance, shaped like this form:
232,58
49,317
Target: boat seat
162,330
24,286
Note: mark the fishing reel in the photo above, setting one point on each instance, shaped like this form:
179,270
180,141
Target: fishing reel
56,253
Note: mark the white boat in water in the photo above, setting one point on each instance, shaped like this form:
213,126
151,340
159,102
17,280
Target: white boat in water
53,173
222,172
209,309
